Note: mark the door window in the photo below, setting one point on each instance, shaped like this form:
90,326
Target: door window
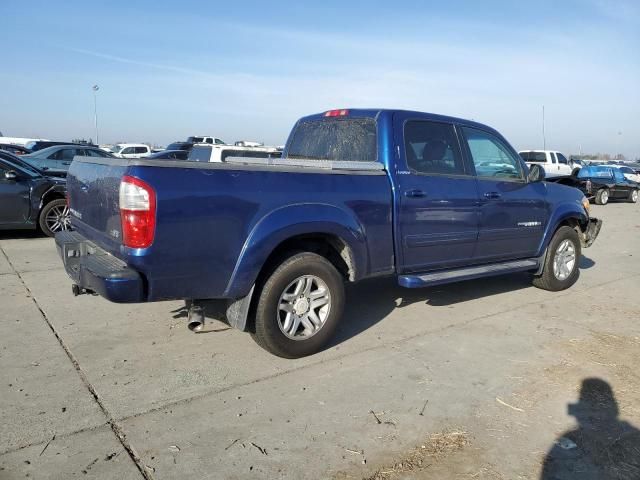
95,153
128,151
432,148
553,157
142,150
67,154
491,157
562,159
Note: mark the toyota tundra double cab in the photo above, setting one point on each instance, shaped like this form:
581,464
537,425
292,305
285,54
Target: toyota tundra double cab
357,193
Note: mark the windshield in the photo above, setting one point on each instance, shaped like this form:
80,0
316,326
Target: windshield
595,172
22,165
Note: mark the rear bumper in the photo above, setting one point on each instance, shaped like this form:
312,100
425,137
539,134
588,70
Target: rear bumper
95,270
591,232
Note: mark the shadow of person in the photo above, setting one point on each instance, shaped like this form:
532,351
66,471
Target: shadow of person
602,447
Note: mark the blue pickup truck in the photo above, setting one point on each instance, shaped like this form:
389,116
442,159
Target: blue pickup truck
356,194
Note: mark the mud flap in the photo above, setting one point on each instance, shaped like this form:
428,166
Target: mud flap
238,311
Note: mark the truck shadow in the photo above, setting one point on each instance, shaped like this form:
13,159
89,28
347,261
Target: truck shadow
371,301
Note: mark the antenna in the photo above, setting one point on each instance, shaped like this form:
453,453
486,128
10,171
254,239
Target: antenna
544,138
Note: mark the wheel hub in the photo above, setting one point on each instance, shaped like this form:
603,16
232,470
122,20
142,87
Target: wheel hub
564,260
301,306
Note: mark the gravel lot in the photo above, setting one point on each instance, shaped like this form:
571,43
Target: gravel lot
465,381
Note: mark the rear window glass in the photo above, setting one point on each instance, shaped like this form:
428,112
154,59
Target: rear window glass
537,157
200,154
352,139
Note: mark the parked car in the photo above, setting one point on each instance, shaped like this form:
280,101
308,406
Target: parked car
30,199
219,153
554,163
169,155
205,139
58,158
603,183
15,149
180,146
356,194
131,150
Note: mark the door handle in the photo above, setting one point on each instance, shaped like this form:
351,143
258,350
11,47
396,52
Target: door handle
492,195
415,193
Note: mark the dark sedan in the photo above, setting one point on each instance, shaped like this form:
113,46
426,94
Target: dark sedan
603,183
170,155
31,199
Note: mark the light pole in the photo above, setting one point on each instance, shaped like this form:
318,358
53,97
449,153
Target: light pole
95,89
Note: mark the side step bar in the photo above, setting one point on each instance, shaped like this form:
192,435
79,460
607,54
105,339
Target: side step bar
468,273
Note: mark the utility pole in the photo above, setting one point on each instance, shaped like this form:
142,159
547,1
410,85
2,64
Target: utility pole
544,138
95,89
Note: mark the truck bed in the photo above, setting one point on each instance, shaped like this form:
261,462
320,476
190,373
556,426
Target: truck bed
216,223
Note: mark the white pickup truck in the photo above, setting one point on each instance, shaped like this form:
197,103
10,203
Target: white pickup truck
554,163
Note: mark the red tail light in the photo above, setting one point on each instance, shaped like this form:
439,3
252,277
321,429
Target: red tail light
137,212
336,113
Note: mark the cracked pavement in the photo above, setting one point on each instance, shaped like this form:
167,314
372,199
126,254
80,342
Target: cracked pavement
99,390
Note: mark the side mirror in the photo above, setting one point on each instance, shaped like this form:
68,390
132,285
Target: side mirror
536,173
10,175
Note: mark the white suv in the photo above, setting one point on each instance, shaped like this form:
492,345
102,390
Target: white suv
131,150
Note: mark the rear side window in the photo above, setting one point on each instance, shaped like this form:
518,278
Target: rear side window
200,154
534,157
432,148
352,139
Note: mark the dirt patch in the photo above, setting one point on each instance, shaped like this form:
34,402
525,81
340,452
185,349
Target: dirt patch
434,449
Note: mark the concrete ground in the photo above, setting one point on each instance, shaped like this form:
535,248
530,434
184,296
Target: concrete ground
464,381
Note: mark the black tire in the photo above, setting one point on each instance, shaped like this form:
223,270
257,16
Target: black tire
633,196
602,196
59,204
548,280
268,332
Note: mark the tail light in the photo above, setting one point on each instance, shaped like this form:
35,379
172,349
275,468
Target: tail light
137,212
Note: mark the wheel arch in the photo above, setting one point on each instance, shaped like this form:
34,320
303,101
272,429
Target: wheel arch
333,233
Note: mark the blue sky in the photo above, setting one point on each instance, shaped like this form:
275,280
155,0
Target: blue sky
248,70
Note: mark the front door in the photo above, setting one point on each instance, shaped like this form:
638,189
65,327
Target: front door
437,194
513,212
15,203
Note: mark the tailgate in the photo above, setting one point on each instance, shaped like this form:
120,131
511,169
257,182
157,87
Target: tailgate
93,185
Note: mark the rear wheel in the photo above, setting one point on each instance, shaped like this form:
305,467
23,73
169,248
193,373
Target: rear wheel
633,196
602,196
560,270
54,217
299,306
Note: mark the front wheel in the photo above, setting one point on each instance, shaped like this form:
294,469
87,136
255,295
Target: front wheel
560,269
299,307
55,217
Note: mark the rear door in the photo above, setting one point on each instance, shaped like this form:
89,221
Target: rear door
15,198
513,212
437,195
